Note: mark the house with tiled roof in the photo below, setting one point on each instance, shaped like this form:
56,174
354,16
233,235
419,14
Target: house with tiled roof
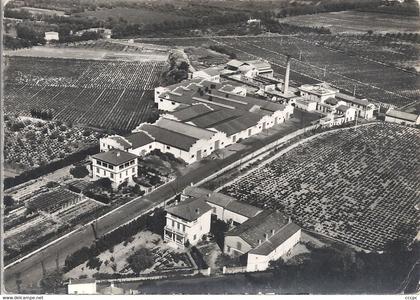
224,207
263,238
117,165
187,221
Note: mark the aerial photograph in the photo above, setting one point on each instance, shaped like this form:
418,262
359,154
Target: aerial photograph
210,147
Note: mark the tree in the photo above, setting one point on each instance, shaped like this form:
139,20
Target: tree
94,263
51,282
104,183
8,200
79,171
140,260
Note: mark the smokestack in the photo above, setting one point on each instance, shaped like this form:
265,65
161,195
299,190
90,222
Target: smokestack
286,76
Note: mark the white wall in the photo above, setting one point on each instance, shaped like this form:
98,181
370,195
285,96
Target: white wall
261,262
191,231
108,143
399,121
116,175
226,215
82,288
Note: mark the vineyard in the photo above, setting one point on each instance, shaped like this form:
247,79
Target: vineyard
358,185
105,94
315,60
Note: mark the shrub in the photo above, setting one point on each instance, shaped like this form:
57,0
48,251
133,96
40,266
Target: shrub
8,200
140,260
94,263
79,171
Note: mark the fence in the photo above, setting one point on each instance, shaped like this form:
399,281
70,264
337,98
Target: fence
205,272
234,270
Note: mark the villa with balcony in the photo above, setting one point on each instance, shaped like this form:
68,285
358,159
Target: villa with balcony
187,221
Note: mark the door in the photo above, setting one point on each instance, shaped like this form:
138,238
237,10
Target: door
198,154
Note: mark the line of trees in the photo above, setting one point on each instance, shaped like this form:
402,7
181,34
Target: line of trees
48,168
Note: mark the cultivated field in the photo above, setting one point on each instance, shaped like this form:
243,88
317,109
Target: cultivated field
105,94
132,15
370,79
355,21
30,143
26,228
357,185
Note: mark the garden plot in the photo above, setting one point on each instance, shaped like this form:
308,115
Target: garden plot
359,185
29,232
114,261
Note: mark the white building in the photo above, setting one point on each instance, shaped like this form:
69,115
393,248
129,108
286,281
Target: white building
187,221
210,74
51,36
224,207
399,117
117,165
363,108
273,247
317,92
263,238
82,287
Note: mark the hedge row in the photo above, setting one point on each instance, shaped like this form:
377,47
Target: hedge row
51,167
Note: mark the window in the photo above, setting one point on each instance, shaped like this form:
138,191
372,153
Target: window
173,223
112,176
99,162
126,173
183,228
120,175
97,170
150,146
104,172
194,237
214,209
173,103
192,156
228,249
161,100
238,245
133,170
167,147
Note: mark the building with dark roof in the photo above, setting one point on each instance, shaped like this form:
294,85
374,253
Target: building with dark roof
117,165
263,238
186,222
224,207
400,117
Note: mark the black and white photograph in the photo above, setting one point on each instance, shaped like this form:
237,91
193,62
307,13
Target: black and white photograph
210,147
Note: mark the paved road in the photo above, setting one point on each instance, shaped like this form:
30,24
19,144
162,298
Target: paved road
30,270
